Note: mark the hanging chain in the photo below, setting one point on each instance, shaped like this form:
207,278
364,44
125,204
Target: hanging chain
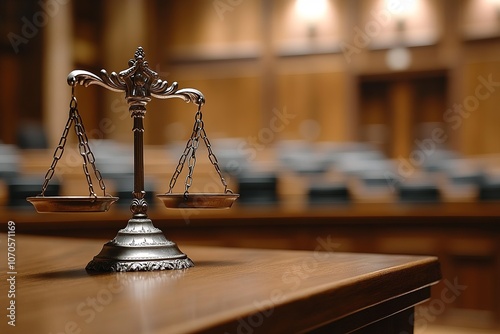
60,148
213,160
86,153
84,148
190,150
193,143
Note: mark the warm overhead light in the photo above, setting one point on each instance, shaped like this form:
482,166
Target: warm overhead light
311,10
495,2
401,8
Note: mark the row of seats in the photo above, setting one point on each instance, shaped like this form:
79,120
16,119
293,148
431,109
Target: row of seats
417,179
258,185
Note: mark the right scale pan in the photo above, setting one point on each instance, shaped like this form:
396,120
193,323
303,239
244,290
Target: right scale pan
198,200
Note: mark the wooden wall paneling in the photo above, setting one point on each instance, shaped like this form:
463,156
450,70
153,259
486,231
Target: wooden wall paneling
333,107
401,99
477,274
21,65
207,29
296,94
430,99
489,109
125,29
375,119
395,109
396,243
93,111
314,89
469,126
497,274
232,109
216,48
30,91
86,42
471,263
480,120
10,82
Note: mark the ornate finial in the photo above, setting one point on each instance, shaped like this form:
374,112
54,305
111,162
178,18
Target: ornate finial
138,79
139,53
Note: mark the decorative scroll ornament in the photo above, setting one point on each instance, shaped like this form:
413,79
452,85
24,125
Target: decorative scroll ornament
139,83
139,205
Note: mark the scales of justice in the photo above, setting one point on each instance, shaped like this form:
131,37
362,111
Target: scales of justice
140,245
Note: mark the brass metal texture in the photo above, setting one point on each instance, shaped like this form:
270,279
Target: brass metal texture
198,201
45,204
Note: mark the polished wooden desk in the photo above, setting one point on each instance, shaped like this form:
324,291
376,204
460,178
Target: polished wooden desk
230,290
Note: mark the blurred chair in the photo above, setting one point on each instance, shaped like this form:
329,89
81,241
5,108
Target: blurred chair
123,186
233,155
328,193
115,162
258,188
301,157
26,186
9,161
462,172
439,160
31,135
379,179
419,191
489,188
355,158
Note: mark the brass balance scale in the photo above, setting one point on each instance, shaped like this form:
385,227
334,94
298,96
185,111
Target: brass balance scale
140,245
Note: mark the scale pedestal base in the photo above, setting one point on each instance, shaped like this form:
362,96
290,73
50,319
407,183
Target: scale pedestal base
139,247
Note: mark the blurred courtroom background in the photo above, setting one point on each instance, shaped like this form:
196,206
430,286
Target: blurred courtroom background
321,112
411,79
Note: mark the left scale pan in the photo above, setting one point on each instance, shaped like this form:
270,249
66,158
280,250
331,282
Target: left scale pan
46,204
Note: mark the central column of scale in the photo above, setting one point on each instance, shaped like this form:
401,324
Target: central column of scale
139,205
140,245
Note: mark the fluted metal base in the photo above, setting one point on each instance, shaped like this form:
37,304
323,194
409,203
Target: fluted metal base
139,247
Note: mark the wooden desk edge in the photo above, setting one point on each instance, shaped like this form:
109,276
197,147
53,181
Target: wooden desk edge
399,305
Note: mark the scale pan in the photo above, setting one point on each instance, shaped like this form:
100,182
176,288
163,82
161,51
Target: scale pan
45,204
198,201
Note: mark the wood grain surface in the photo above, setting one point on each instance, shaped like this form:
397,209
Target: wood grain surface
230,290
